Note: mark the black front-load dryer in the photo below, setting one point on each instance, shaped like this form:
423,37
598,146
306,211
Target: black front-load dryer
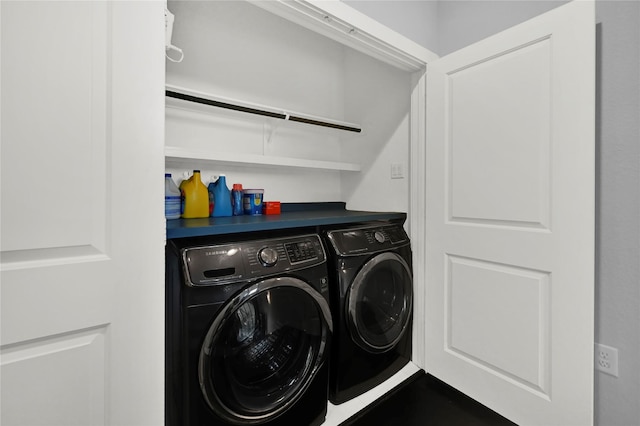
248,332
372,301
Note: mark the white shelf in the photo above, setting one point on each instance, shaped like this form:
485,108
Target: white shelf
175,154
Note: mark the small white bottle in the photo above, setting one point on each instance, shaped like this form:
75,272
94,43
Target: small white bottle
172,200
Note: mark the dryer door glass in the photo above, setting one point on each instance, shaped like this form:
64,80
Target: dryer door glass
264,349
379,302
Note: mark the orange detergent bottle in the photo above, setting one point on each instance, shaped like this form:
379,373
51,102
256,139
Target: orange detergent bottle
195,197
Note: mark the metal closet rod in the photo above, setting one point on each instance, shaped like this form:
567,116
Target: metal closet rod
257,111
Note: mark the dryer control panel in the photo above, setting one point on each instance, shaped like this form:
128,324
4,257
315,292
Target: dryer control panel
357,241
248,260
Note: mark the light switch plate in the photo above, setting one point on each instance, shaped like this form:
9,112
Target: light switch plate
397,171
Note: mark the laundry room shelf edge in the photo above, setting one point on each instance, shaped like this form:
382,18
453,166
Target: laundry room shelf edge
294,215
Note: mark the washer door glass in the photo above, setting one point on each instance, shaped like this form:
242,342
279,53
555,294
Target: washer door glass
379,303
263,350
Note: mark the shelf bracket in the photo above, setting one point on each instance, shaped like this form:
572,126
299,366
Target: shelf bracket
269,129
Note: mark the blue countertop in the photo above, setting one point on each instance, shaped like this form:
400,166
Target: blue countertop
294,215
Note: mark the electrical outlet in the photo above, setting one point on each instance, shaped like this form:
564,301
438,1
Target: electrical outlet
606,359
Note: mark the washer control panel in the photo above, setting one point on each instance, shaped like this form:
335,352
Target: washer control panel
355,241
226,263
301,251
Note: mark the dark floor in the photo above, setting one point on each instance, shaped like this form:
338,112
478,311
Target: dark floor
424,400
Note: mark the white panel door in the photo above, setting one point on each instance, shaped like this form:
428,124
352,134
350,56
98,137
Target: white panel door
510,219
82,290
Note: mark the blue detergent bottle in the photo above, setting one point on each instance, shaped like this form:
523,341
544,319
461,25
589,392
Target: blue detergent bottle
172,198
221,197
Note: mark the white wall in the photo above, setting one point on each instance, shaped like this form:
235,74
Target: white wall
415,19
461,23
618,208
379,98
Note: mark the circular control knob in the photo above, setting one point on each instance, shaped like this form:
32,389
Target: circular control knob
379,236
268,256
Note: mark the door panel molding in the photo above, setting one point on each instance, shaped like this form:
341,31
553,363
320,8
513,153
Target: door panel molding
63,376
483,331
490,143
42,258
55,120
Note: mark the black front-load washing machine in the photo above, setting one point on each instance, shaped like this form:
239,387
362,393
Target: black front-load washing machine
248,330
372,301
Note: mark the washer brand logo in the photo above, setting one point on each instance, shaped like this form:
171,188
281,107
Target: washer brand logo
216,253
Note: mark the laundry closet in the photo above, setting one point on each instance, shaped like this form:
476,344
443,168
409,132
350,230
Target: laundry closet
240,53
344,126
